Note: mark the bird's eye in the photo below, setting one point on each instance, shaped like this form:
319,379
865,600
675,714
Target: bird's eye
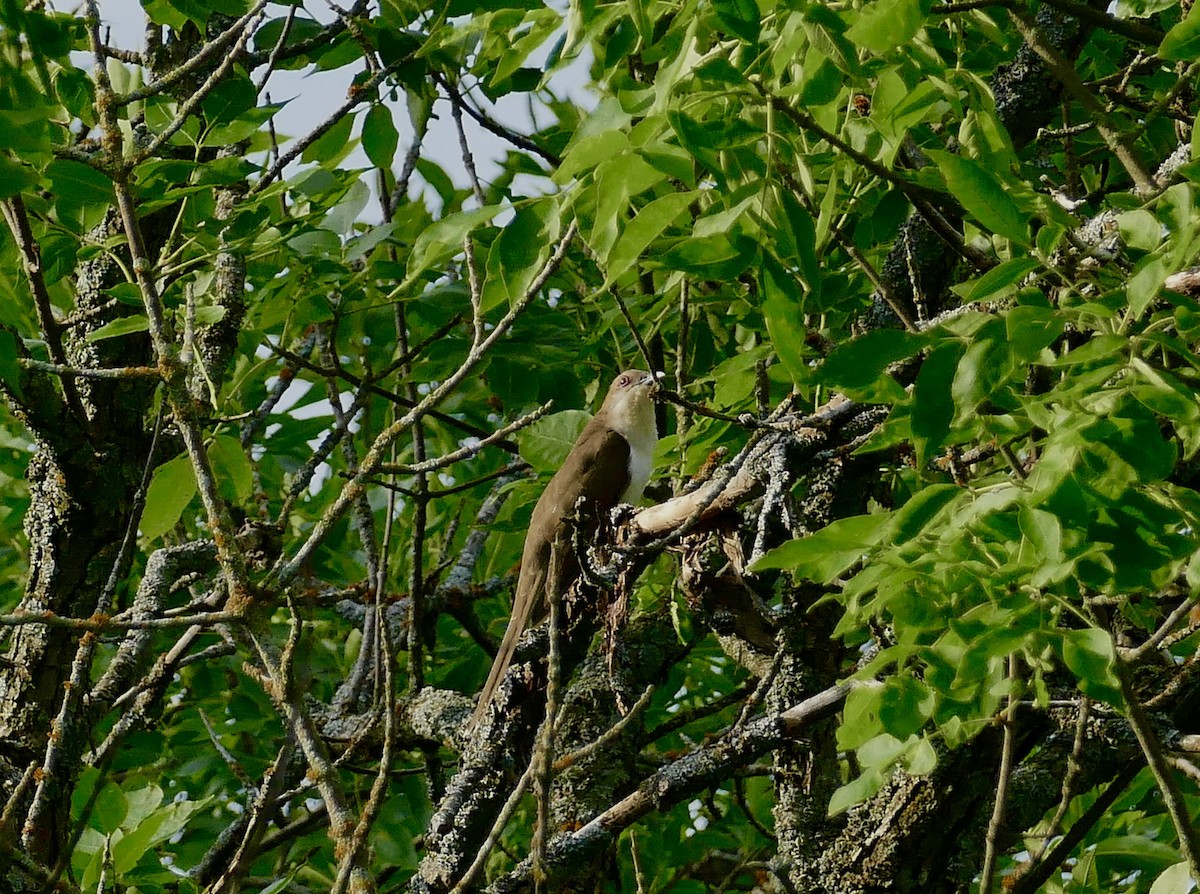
623,381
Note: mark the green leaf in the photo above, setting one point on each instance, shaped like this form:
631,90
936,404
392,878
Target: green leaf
10,369
517,253
859,367
642,230
1175,879
921,757
379,136
1032,329
1089,654
229,99
59,256
241,128
714,257
797,241
331,146
1182,42
343,217
1129,853
1001,280
739,17
1044,531
782,309
76,184
119,326
588,152
231,466
905,706
855,791
14,178
546,443
827,33
170,491
280,884
987,364
110,808
696,138
319,243
1146,283
1140,229
932,400
444,239
885,25
160,825
827,553
910,519
860,716
983,195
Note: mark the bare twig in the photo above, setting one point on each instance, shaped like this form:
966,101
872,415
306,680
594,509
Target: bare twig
233,564
633,329
189,106
488,123
287,569
212,49
466,452
1032,880
1164,630
987,876
608,736
18,222
273,59
1189,838
81,372
1069,78
464,146
489,843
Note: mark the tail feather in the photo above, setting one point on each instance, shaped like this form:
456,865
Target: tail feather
504,657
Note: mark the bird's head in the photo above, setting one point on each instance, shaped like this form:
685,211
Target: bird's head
630,399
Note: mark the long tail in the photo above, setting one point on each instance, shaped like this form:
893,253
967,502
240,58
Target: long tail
504,656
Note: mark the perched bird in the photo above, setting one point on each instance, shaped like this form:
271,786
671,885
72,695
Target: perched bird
609,464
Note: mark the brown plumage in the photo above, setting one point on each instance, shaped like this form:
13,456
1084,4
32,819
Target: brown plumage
608,464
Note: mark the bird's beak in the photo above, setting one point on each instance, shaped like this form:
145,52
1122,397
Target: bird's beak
653,382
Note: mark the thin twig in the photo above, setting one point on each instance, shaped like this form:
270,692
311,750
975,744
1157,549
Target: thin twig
287,569
608,736
189,106
464,146
543,756
1069,78
468,451
363,93
1189,840
31,259
212,49
1032,880
489,843
81,372
273,59
1164,629
683,414
484,121
987,875
233,564
633,329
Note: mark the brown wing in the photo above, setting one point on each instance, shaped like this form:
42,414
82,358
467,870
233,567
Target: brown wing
597,468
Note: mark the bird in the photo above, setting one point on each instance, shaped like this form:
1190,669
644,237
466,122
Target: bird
609,463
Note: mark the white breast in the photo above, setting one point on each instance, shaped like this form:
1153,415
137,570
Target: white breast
641,462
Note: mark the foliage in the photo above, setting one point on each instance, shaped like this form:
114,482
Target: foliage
232,358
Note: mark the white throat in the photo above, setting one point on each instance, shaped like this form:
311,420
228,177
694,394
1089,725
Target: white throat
634,420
